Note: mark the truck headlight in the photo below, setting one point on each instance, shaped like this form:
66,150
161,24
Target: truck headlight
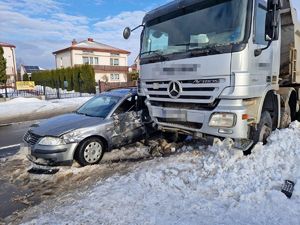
222,120
51,141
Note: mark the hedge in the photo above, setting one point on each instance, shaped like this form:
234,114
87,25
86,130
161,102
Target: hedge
79,78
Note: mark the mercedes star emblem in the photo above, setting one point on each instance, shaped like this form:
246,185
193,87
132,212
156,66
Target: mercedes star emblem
174,89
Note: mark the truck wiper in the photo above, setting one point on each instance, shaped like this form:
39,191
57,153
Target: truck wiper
204,51
156,52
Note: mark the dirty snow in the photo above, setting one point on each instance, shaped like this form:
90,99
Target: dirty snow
202,185
30,108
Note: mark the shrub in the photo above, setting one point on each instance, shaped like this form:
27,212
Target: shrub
79,78
25,77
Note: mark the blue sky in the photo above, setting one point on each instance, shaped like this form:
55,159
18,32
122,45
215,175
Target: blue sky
39,27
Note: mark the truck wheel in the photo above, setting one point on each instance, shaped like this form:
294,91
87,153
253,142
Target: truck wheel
264,128
286,117
90,152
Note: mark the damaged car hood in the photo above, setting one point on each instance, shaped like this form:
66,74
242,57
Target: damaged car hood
60,125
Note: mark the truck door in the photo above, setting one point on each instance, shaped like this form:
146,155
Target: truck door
260,67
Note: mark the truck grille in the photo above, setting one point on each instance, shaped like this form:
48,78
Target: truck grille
31,138
192,91
190,106
171,122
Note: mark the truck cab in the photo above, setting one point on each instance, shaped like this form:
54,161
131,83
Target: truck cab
221,68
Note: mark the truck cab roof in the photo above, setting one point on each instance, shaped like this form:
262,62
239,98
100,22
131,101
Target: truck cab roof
168,8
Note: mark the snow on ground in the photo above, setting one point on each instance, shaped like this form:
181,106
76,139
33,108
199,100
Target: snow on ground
213,185
31,108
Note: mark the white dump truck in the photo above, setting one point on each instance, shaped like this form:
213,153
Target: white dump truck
221,68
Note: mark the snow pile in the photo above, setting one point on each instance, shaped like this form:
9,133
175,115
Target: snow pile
22,109
214,185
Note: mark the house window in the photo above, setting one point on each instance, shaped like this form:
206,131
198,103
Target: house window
85,60
115,54
61,62
114,76
91,60
114,62
96,61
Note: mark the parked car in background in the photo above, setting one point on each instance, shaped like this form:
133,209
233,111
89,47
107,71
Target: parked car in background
109,120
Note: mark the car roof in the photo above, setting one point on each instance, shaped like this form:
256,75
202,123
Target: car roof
121,92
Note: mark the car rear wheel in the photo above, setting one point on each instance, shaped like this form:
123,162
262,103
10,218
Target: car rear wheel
90,152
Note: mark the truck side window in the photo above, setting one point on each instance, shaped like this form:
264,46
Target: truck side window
260,19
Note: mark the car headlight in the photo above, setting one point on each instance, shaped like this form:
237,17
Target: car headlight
222,120
51,141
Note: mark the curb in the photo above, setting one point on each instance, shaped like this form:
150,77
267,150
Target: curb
6,125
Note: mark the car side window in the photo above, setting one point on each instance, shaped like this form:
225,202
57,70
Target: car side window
127,105
261,12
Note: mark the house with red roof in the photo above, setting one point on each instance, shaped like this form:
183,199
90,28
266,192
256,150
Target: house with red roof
11,65
110,63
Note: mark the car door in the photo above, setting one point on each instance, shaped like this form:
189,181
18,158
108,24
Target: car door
127,123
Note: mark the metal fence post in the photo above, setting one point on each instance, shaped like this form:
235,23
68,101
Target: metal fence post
99,84
5,87
57,89
44,89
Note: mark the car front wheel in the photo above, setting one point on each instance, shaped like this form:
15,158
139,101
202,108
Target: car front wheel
90,152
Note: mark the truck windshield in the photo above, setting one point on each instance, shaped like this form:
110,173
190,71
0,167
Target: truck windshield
205,25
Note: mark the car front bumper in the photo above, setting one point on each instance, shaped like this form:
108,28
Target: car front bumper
50,155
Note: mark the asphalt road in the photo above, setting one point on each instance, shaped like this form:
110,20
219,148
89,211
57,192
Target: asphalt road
11,137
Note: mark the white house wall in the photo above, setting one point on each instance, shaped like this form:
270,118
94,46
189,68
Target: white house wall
103,57
11,67
106,77
63,60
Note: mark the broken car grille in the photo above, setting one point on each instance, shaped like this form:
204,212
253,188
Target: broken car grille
31,138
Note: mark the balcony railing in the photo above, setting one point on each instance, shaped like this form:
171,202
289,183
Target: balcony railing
110,69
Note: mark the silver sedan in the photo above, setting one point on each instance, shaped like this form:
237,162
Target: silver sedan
109,120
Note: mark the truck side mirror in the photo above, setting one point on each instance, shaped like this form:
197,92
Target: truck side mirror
126,33
277,4
272,26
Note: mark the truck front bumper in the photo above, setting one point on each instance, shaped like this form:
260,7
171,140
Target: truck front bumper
50,155
197,121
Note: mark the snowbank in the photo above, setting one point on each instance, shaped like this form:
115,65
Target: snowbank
23,109
214,185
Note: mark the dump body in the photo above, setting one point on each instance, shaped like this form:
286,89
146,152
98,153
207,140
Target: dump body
290,46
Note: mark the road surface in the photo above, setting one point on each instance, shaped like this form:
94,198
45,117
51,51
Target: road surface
11,137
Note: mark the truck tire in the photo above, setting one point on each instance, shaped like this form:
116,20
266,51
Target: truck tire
90,152
264,128
286,117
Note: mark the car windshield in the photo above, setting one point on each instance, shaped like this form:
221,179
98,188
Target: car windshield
205,25
99,106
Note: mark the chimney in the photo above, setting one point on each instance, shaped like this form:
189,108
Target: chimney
74,42
91,39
